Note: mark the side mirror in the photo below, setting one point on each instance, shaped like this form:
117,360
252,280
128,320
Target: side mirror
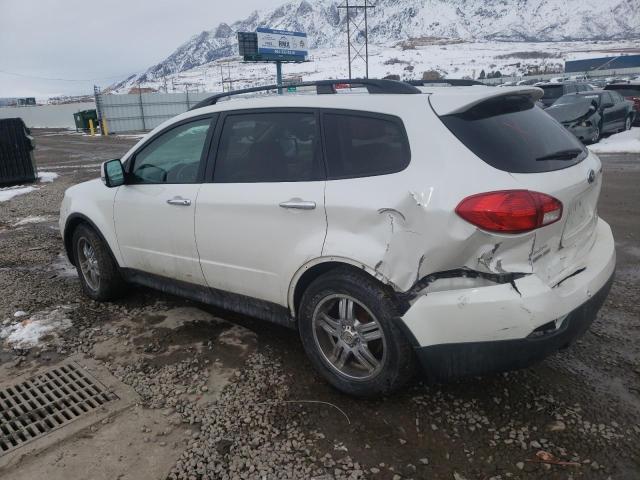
112,173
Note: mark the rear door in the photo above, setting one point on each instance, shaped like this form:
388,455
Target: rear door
610,113
621,106
262,214
154,210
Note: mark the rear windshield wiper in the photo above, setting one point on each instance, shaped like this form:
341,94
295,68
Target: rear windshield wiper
561,155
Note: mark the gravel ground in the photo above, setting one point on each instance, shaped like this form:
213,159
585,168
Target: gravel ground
275,418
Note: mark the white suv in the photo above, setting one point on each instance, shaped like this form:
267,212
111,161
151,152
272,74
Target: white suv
451,226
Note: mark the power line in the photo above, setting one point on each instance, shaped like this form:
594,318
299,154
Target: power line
62,79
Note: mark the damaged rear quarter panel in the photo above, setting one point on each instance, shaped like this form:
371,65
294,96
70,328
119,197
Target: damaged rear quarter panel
403,226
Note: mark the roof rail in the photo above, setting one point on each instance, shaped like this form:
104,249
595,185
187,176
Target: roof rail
373,86
454,82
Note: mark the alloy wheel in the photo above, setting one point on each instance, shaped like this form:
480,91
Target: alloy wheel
349,337
88,261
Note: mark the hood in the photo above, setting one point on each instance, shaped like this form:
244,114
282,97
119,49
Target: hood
569,112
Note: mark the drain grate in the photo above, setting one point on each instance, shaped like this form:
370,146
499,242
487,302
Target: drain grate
46,402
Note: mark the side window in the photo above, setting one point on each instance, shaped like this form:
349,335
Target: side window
607,98
617,98
268,147
570,88
173,157
361,145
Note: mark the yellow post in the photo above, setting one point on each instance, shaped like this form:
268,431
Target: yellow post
91,127
105,130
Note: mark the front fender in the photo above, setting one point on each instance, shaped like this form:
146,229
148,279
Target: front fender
92,203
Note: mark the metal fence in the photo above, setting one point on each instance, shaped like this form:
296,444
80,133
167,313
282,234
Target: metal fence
143,111
47,116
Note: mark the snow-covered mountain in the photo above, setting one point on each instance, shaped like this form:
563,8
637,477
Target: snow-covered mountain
393,21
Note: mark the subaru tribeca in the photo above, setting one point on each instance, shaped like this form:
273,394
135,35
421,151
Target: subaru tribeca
454,228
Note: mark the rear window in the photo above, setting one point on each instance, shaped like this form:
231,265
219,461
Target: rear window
552,91
625,90
364,145
512,134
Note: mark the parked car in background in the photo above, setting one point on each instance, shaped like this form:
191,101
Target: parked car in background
554,90
589,115
452,226
630,91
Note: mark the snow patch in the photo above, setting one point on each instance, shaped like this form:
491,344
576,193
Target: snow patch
30,220
47,177
625,142
63,266
32,331
10,192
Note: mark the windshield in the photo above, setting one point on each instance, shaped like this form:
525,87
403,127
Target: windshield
511,134
552,91
626,90
573,99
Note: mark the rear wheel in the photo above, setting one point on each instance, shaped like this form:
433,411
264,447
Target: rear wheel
348,329
98,272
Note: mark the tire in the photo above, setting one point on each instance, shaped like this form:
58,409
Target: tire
595,138
628,122
374,315
90,253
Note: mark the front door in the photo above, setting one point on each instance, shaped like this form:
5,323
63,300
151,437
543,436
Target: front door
263,216
154,210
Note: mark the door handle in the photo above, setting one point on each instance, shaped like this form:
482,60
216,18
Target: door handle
298,205
183,202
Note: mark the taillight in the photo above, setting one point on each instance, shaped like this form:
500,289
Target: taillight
510,211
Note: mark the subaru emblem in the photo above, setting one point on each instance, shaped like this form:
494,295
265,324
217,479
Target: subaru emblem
592,176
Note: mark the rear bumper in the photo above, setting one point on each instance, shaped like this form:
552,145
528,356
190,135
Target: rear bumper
475,358
493,328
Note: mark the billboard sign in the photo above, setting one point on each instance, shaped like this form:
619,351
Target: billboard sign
282,43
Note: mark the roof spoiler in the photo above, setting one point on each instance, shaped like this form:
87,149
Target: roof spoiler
463,100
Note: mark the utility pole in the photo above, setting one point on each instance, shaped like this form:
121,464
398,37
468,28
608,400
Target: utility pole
97,94
357,51
279,76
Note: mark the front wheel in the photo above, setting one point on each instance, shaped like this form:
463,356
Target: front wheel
348,329
627,123
595,136
98,272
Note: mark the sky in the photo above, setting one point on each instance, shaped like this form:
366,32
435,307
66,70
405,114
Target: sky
47,45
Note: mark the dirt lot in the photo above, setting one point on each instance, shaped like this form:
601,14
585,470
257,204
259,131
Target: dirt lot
216,395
